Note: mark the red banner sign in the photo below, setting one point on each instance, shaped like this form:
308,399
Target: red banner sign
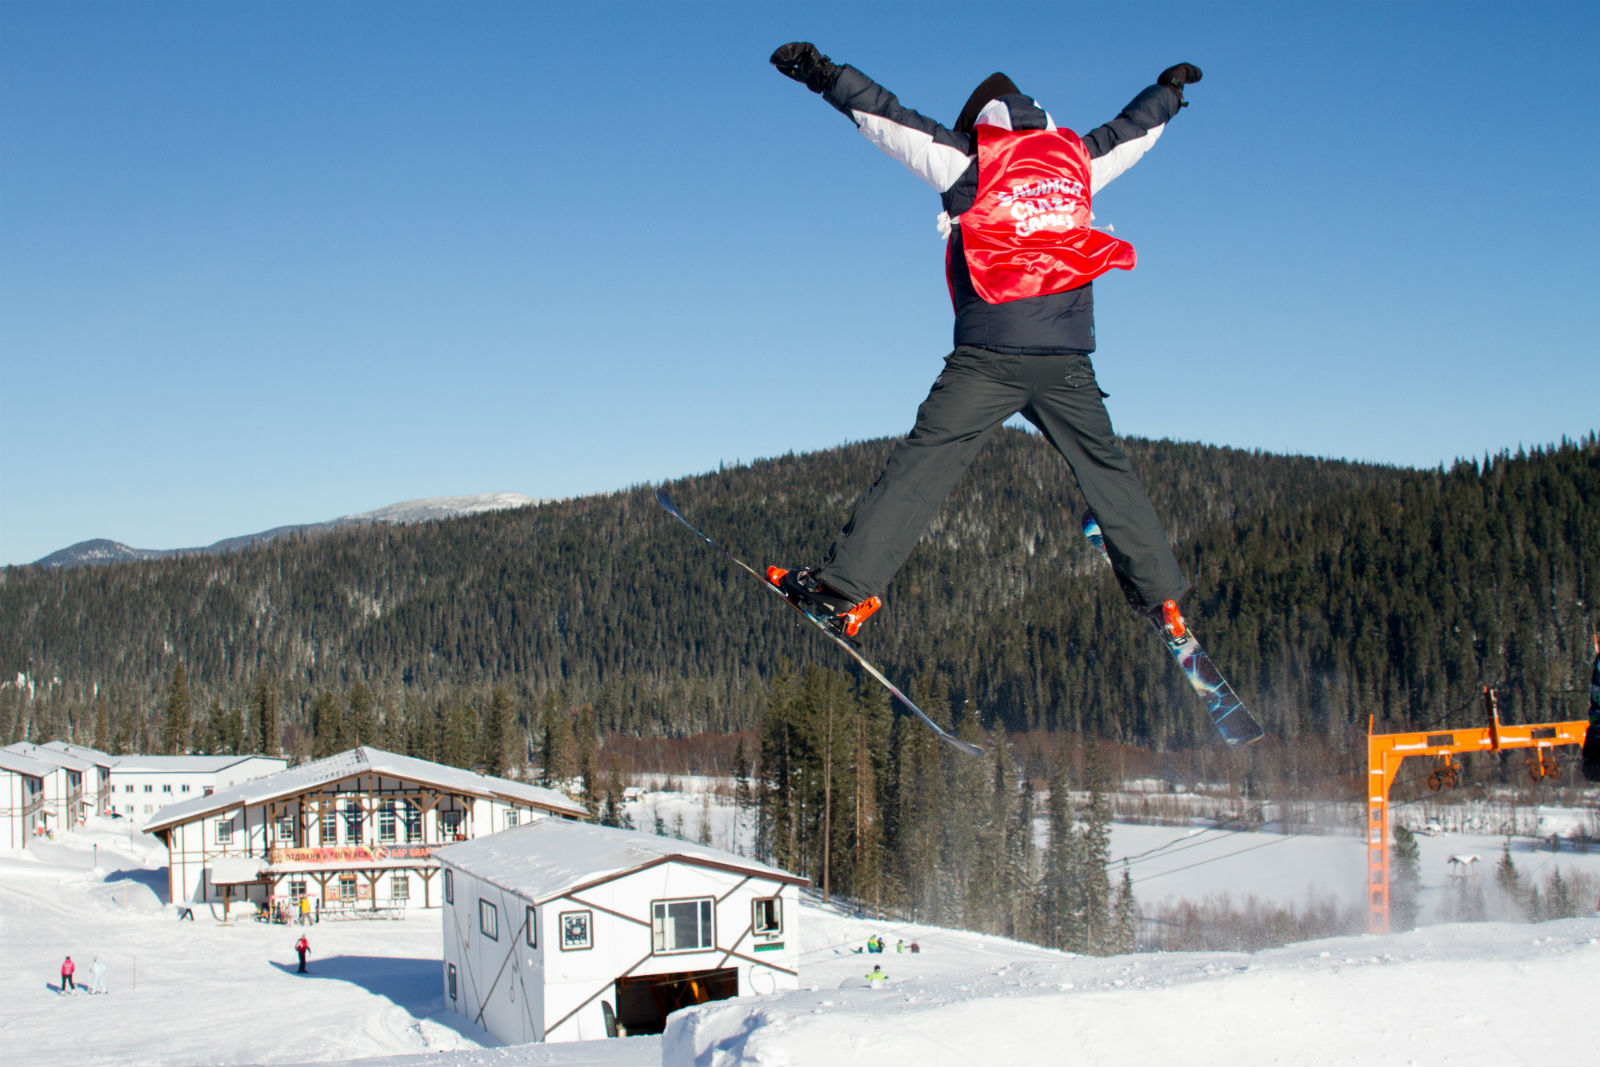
352,854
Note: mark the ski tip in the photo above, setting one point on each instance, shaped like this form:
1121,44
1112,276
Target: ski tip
1091,525
665,501
1237,739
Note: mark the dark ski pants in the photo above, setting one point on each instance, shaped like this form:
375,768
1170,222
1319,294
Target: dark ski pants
977,391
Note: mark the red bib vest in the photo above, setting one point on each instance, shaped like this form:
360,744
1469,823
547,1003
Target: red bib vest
1028,232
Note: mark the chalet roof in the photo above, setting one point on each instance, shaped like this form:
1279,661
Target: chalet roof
83,752
18,764
190,764
364,760
552,857
41,754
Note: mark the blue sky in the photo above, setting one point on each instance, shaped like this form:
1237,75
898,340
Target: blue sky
275,262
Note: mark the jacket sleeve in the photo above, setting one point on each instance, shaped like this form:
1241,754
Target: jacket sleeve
1120,143
930,151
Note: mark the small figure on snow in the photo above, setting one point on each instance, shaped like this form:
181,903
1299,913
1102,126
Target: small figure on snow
900,945
1020,262
98,969
877,976
303,948
67,969
305,910
915,948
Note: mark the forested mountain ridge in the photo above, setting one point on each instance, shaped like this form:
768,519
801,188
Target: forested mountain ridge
1329,590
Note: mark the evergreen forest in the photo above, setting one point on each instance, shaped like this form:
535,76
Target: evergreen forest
1329,591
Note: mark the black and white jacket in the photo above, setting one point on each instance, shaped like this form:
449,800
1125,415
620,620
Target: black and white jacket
948,161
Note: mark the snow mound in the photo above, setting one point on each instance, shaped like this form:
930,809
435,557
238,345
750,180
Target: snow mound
1404,998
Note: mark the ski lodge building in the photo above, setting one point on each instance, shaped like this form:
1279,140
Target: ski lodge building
355,831
97,784
142,785
68,783
564,931
22,798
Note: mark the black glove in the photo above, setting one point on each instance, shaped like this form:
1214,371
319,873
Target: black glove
1175,78
801,61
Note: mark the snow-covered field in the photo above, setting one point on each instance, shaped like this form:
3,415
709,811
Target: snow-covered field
200,992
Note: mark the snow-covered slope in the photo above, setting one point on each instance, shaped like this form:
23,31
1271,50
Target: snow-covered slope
201,992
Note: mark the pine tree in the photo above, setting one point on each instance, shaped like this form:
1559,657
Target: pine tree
1405,878
614,813
1125,923
1095,858
265,703
360,726
743,794
589,758
175,734
556,755
458,736
1509,882
704,837
497,734
327,725
102,725
1560,903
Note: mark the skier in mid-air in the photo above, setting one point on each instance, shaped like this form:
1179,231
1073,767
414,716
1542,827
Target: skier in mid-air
1020,262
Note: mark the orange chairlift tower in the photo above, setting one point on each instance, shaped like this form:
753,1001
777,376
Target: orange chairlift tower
1385,753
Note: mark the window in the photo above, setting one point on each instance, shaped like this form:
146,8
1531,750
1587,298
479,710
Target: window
767,916
330,826
489,920
400,888
449,887
413,819
533,927
297,888
167,788
286,827
127,789
682,925
386,822
224,831
185,789
512,817
450,979
354,818
451,821
577,930
347,887
149,789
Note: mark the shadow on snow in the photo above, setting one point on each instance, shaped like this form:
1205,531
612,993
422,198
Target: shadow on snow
414,985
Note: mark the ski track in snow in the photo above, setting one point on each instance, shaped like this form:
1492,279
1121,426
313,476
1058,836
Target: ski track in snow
201,992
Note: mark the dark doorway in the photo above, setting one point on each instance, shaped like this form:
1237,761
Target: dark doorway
645,1001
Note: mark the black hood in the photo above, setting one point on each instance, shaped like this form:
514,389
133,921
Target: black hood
995,85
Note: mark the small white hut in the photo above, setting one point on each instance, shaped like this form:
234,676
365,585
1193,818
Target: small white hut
564,931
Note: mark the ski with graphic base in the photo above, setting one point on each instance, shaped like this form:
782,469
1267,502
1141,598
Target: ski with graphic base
1236,725
944,735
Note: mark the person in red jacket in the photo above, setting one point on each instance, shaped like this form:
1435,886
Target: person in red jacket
67,969
1021,259
303,948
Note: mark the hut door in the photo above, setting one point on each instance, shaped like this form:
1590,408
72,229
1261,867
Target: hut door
644,1001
